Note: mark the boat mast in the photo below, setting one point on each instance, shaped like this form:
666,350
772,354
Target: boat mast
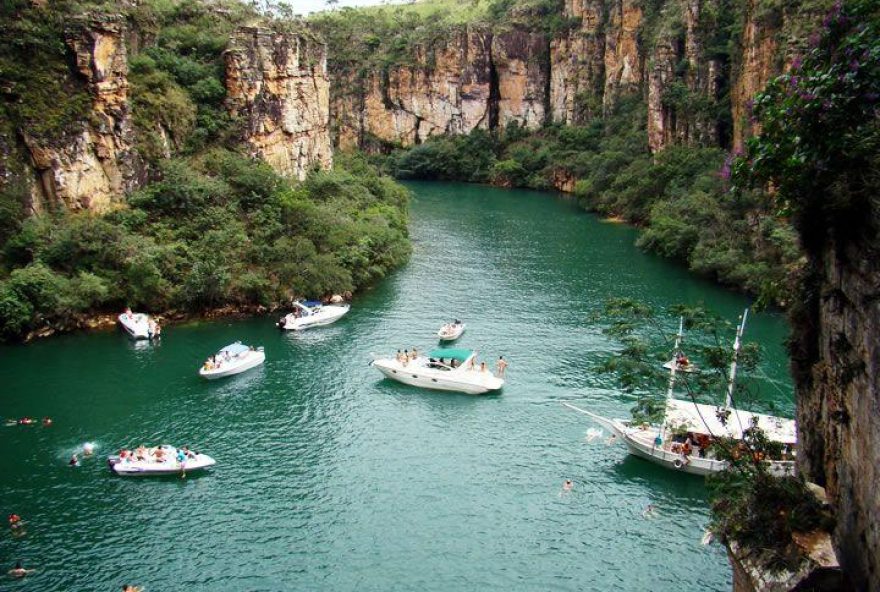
672,368
736,344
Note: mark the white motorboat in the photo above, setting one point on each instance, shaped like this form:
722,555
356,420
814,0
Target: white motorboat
312,314
442,369
684,440
232,359
136,324
451,331
161,460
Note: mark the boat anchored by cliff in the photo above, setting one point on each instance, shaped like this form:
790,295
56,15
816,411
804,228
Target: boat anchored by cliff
139,325
441,369
451,331
312,314
159,460
685,438
232,359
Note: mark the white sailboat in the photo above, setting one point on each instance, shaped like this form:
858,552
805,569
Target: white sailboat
702,424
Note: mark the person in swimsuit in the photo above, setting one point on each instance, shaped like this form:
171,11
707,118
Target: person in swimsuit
19,571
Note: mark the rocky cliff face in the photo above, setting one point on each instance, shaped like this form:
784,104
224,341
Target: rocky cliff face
95,165
277,84
473,79
696,85
836,362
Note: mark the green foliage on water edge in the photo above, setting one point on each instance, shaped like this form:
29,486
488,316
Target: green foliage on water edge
220,229
761,512
679,197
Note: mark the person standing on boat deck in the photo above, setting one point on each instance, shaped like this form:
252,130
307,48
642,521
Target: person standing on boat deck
405,356
414,354
500,367
482,366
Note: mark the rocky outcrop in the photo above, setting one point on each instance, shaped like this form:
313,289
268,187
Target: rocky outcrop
577,65
683,82
818,568
472,79
277,84
836,363
623,58
95,165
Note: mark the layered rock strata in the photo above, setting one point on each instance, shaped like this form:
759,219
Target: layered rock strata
95,165
277,84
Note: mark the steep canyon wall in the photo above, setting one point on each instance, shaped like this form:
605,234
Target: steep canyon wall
679,57
277,87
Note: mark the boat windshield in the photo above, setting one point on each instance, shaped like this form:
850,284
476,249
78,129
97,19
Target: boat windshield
234,349
462,355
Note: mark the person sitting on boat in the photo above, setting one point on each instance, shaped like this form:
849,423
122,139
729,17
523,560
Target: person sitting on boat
453,363
128,313
681,360
414,354
159,454
189,453
405,359
141,452
482,366
686,450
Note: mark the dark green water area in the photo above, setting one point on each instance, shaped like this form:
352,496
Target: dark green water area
330,478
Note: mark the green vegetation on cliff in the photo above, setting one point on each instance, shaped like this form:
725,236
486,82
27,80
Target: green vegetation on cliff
211,226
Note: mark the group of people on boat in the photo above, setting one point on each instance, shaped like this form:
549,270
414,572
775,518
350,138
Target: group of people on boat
29,421
156,454
406,356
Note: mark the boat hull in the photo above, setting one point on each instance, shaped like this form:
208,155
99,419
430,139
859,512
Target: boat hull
158,469
470,383
253,360
327,315
640,442
451,336
137,328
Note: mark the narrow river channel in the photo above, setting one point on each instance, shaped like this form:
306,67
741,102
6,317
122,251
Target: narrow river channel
329,478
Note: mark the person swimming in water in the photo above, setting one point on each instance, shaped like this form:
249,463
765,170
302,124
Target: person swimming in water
74,460
568,485
649,511
19,571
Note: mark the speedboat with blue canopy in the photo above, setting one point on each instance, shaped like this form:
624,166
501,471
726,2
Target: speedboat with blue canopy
444,369
232,359
312,313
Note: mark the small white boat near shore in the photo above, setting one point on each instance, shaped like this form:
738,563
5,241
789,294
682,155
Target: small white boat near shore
451,331
160,460
442,369
312,314
138,325
232,359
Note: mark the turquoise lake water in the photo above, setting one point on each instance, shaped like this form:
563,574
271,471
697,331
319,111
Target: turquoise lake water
329,477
